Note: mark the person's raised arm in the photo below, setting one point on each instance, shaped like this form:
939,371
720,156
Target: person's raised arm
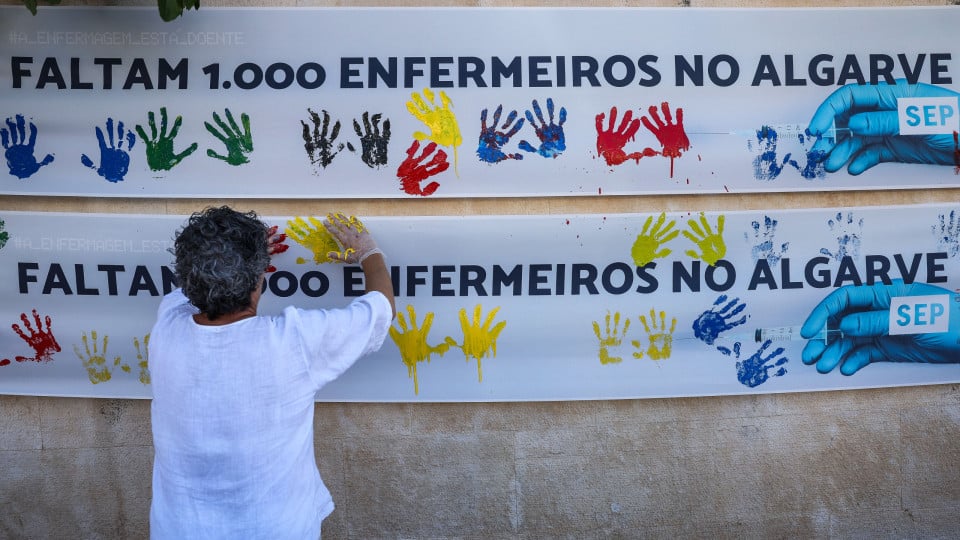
359,246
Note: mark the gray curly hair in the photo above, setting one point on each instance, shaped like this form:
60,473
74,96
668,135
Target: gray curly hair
220,256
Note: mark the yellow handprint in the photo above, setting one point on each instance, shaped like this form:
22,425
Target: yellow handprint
313,236
712,247
478,340
648,245
660,343
610,339
95,361
444,129
412,343
143,357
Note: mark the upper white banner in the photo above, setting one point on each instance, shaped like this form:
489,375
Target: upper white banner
437,102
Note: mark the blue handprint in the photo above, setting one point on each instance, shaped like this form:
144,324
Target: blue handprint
763,241
947,233
552,139
848,236
114,160
755,370
814,168
20,147
708,326
491,144
767,165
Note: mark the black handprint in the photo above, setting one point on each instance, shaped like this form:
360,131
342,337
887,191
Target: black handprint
320,147
373,141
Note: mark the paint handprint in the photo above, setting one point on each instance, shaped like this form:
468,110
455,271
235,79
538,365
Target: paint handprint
659,337
275,245
143,358
649,244
712,247
672,136
612,338
610,142
444,129
413,171
492,140
373,140
762,241
114,160
95,362
755,370
552,139
4,235
20,148
767,165
238,142
815,167
718,319
479,340
160,154
412,342
947,233
320,144
313,236
848,236
43,343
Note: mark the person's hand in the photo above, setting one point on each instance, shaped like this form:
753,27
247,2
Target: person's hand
870,113
356,242
862,314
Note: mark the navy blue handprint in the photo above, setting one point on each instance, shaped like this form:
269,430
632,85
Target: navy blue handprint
114,160
552,140
20,148
490,148
711,323
755,370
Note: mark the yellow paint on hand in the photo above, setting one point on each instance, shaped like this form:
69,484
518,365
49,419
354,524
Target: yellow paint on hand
711,244
311,234
660,339
479,340
611,338
412,342
444,129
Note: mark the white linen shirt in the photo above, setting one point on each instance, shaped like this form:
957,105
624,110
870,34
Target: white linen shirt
232,416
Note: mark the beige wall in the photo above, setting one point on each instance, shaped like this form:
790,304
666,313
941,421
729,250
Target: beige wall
855,464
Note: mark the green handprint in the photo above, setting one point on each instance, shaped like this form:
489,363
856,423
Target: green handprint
610,338
413,345
95,361
648,245
160,154
238,143
712,247
4,235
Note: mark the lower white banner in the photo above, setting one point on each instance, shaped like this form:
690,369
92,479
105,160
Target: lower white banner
518,308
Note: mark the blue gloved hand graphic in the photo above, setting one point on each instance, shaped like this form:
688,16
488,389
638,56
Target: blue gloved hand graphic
862,314
870,113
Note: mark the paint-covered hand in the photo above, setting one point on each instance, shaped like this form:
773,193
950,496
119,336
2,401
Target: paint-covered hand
95,361
355,243
160,154
320,143
711,244
550,133
650,243
611,338
672,136
238,142
373,140
114,159
19,148
612,140
492,140
43,343
862,315
415,169
276,244
870,114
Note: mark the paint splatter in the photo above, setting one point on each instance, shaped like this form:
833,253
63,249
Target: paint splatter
275,245
848,233
412,342
611,338
444,129
762,244
650,243
671,135
159,145
4,235
43,343
95,361
947,233
479,340
492,140
20,147
415,169
143,360
552,139
711,244
114,159
659,337
755,370
238,142
374,141
321,142
311,234
611,141
718,319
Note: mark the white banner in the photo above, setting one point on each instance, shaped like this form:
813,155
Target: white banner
410,102
529,307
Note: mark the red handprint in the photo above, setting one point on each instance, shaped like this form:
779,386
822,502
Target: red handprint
275,245
610,143
42,342
671,136
413,171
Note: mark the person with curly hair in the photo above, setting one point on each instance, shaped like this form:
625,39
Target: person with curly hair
233,391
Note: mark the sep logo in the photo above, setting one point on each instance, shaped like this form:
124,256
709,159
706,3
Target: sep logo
928,116
919,314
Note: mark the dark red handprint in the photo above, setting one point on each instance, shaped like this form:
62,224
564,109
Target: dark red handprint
42,342
413,171
275,245
610,143
671,136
